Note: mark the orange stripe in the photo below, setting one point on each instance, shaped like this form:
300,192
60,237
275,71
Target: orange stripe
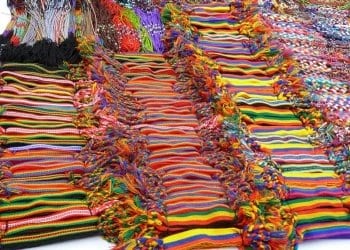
313,206
184,182
189,199
197,223
186,188
208,243
178,211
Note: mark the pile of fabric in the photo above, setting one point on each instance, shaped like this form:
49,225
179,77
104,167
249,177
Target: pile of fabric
39,144
182,125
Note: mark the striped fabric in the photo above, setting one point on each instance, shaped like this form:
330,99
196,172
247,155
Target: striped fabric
194,197
39,141
315,190
236,136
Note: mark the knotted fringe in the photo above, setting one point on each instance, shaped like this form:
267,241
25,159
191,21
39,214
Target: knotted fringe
253,182
122,190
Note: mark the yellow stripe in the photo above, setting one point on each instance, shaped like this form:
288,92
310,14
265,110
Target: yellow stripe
201,217
265,72
36,203
215,9
244,95
249,82
199,231
314,214
346,200
275,121
308,203
271,111
38,237
212,25
46,195
286,145
312,175
298,132
217,31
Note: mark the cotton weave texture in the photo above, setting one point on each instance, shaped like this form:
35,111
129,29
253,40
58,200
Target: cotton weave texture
175,124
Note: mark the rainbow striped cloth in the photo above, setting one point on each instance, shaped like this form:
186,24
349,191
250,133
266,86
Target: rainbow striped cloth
39,144
225,140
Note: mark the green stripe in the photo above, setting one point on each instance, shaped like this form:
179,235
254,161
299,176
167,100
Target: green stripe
40,85
42,227
206,212
324,218
76,194
36,98
39,202
34,211
35,124
270,115
53,111
41,240
34,69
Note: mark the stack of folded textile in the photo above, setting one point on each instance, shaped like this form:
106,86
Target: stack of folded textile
39,143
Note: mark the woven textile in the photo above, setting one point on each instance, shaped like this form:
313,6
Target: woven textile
175,125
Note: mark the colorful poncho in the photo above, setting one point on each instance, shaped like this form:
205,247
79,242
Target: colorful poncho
182,125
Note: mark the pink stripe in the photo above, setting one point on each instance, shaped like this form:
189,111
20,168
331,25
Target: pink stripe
33,78
292,161
44,165
37,117
33,103
51,218
3,225
49,131
12,89
163,127
103,207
